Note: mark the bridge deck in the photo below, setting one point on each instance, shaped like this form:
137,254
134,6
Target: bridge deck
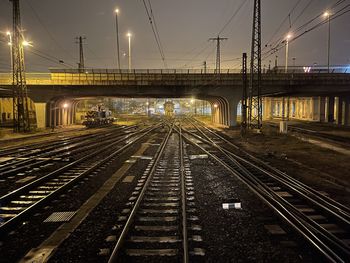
171,77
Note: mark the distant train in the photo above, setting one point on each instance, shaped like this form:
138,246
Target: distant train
98,116
169,108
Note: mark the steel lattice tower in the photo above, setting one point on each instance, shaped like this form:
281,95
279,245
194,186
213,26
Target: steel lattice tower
218,52
21,120
255,101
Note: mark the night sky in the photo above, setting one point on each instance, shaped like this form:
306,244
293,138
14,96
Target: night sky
184,28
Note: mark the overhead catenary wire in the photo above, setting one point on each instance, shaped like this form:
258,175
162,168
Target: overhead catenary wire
150,15
232,17
51,36
344,10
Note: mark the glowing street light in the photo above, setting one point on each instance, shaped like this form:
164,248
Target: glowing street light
116,11
215,105
65,105
327,15
288,37
129,35
26,43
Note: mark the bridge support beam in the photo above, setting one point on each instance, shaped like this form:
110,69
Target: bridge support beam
330,109
339,111
233,104
322,109
347,111
268,108
41,117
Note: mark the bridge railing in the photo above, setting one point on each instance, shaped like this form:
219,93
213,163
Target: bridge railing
172,76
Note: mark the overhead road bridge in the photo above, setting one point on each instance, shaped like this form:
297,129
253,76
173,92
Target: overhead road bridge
50,90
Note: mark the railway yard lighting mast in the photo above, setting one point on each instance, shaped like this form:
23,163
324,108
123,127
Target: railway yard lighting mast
9,35
129,35
288,37
328,16
117,31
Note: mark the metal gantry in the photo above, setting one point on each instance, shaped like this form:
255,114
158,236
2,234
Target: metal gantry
21,121
255,101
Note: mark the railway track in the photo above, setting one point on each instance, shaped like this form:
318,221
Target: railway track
38,162
158,222
329,137
41,147
21,203
36,136
320,221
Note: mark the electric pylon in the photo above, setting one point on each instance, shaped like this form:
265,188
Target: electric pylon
255,101
218,40
21,121
81,64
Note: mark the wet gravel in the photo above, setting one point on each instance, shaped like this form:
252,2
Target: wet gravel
238,235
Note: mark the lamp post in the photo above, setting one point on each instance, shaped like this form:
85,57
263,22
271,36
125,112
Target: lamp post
129,55
9,35
287,51
328,16
117,31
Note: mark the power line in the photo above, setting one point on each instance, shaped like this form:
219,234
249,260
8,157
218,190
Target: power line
48,31
233,16
280,45
155,30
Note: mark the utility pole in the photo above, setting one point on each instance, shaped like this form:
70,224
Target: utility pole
205,67
117,32
218,40
21,121
255,101
244,95
81,64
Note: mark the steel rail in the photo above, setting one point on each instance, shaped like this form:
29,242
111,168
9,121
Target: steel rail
47,144
183,200
61,152
294,185
340,245
125,231
331,203
10,223
279,208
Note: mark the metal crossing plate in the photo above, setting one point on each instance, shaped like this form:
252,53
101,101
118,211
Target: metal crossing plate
60,217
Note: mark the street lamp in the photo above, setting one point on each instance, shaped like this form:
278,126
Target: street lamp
26,43
117,31
328,16
129,55
9,35
289,36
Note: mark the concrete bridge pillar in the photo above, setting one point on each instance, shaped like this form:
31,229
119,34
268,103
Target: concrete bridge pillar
232,116
268,109
330,109
339,107
40,111
322,109
347,111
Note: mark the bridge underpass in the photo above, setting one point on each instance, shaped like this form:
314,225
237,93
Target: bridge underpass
223,91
